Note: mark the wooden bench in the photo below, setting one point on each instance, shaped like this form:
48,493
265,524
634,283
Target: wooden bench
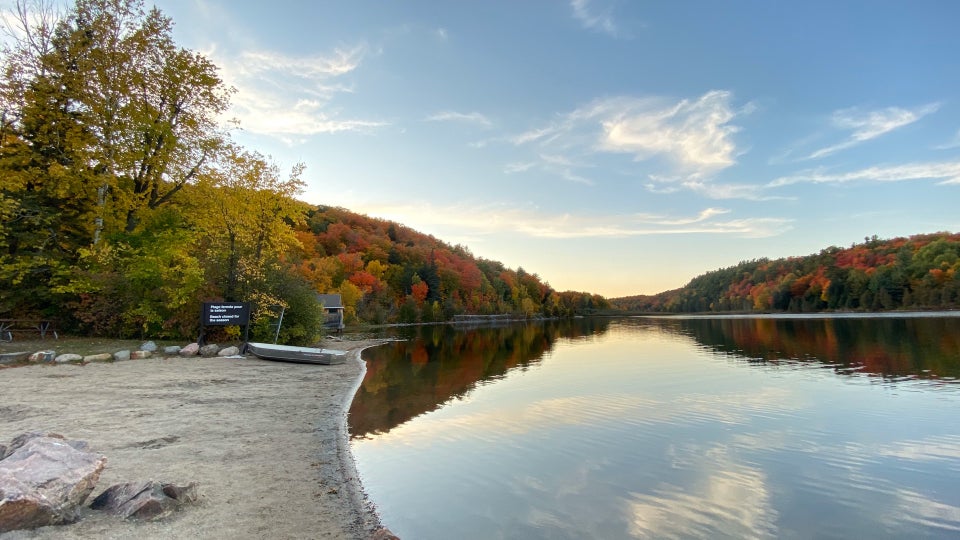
41,326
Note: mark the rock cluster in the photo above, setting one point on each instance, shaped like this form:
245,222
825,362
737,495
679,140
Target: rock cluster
45,480
147,350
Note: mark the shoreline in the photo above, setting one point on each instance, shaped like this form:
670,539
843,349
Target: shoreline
267,441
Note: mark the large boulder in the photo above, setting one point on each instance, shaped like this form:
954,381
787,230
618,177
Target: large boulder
147,501
102,357
69,357
149,347
140,355
121,356
190,350
171,349
44,479
210,349
233,350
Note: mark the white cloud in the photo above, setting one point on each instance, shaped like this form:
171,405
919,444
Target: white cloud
583,11
518,167
289,97
948,172
453,116
697,135
867,125
687,140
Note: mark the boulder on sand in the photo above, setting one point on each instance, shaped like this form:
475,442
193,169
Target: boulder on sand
210,349
44,479
148,500
190,350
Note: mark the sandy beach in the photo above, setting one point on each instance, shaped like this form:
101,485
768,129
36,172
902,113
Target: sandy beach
267,441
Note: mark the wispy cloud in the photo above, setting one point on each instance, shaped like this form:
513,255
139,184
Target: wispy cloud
948,172
953,143
866,125
713,190
587,13
529,221
453,116
290,97
685,140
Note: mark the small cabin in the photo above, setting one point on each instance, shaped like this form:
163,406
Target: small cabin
332,311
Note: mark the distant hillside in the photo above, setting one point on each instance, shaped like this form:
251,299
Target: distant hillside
919,272
387,272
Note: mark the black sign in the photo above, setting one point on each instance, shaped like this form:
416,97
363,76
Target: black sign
225,313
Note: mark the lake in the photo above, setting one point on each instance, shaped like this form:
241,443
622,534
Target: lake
736,427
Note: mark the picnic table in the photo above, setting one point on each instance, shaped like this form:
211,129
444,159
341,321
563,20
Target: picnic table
41,326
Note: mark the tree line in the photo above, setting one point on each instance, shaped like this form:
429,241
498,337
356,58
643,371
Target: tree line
918,272
125,203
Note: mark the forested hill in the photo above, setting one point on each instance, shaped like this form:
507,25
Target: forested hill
391,273
125,204
919,272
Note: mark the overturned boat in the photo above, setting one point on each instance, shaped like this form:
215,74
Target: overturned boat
301,355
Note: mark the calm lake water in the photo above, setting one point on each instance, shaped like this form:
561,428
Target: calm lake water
666,428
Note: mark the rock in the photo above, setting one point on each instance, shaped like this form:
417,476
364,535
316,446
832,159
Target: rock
149,500
210,349
103,357
172,349
44,480
229,351
42,356
190,350
140,355
149,346
69,357
120,356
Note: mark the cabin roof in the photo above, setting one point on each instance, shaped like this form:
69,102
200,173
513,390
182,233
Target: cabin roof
330,301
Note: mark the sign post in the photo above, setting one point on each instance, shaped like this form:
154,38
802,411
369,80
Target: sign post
225,314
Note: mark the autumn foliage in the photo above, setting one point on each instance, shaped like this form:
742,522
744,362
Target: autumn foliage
919,272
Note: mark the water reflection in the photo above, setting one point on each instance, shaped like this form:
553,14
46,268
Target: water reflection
890,347
444,362
665,429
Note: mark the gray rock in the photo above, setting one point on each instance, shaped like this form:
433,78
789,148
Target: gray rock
171,349
210,349
42,356
229,351
190,350
148,501
69,357
44,480
140,355
149,346
121,355
103,357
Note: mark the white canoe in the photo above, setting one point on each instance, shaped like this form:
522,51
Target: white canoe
303,355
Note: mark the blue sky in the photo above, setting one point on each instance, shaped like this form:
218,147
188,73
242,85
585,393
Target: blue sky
617,147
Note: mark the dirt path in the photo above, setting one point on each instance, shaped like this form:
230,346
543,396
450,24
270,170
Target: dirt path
266,441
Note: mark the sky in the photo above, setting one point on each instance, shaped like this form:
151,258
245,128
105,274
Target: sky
611,146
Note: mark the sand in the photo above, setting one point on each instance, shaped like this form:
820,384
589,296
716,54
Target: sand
267,441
